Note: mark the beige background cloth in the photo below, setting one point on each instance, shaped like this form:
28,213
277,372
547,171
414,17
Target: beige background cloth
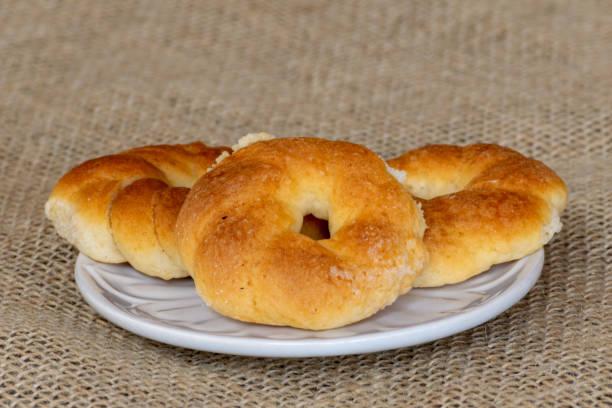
87,78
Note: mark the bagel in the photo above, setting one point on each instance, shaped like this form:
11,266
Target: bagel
483,204
123,207
238,234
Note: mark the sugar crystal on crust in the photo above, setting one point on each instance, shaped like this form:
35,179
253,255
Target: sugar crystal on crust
251,138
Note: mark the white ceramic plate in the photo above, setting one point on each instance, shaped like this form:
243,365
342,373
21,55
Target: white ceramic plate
172,312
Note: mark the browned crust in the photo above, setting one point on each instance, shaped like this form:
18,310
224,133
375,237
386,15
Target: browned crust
166,206
238,234
81,204
182,164
487,204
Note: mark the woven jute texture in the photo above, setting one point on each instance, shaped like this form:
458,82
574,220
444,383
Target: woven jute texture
87,78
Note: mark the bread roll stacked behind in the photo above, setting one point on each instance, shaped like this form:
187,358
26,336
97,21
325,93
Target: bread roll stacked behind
123,207
483,204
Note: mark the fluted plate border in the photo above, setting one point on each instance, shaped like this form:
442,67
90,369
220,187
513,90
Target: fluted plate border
171,312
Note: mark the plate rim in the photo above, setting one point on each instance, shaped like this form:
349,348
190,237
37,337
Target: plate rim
530,265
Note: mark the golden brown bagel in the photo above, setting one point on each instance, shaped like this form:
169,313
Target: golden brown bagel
123,207
238,234
484,204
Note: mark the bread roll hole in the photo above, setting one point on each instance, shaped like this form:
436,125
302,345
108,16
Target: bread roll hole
315,228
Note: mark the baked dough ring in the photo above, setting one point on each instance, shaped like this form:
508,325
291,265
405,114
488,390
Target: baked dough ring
238,234
123,207
483,204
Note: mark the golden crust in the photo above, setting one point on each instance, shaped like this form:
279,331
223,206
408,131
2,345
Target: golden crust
238,234
483,204
81,204
134,225
166,206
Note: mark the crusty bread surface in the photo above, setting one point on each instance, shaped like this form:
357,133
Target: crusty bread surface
238,234
483,204
123,207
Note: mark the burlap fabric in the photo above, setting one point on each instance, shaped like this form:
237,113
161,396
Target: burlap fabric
82,79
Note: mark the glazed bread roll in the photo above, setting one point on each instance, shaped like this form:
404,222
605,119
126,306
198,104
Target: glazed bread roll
483,204
238,234
124,207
